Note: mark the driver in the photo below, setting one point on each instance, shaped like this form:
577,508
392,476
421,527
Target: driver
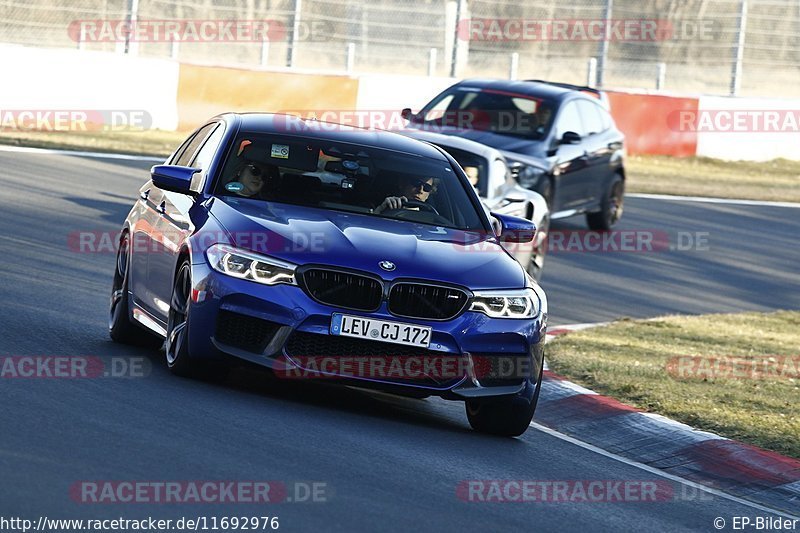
418,189
252,177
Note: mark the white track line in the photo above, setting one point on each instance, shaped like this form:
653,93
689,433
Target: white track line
656,471
100,155
704,200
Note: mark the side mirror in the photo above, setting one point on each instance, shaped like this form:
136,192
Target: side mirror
407,114
515,229
570,137
173,178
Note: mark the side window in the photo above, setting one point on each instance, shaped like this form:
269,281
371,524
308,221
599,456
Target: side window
206,153
204,157
181,149
569,119
592,121
191,148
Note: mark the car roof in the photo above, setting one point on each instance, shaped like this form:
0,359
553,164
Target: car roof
537,89
276,123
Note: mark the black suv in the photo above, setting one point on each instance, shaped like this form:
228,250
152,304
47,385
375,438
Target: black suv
559,139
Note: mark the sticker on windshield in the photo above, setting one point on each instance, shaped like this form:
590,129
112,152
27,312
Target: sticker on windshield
280,151
234,186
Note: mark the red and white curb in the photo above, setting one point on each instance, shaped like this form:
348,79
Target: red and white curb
745,471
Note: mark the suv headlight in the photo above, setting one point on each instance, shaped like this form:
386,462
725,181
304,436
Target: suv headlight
523,303
248,265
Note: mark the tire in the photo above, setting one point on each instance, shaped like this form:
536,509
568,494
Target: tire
507,416
536,263
120,327
611,207
176,345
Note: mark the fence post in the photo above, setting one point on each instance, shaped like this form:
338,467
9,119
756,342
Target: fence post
513,67
264,59
291,49
591,72
82,38
738,51
351,57
432,62
133,15
457,44
602,54
661,76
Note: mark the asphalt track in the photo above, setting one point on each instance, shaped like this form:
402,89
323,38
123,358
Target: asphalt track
389,464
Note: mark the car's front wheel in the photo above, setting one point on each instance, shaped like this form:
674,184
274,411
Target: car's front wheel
610,208
506,416
176,346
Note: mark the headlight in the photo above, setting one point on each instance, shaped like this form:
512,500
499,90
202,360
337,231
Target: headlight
248,265
527,176
522,303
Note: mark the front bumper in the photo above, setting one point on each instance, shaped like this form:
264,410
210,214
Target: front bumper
280,327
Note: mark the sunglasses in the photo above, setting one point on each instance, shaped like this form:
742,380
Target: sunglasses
427,187
254,170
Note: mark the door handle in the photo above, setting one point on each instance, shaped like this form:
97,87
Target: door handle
145,194
162,208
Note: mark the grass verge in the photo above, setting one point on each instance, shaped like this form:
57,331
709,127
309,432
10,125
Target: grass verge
695,176
737,375
777,180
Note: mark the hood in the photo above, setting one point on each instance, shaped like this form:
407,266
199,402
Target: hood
306,235
498,141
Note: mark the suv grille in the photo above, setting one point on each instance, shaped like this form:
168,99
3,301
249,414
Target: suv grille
244,332
415,300
343,289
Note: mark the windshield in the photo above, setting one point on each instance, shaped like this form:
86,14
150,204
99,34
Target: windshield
489,110
348,177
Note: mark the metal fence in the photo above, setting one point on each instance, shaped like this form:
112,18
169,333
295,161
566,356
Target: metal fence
745,47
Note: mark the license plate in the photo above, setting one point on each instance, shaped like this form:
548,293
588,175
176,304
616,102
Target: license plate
380,330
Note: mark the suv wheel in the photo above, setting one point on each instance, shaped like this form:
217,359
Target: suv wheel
611,207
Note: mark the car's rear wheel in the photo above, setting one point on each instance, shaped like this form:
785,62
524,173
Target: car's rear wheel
611,207
507,416
536,264
120,327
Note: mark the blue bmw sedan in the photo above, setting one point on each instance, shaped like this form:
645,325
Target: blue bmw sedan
321,251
